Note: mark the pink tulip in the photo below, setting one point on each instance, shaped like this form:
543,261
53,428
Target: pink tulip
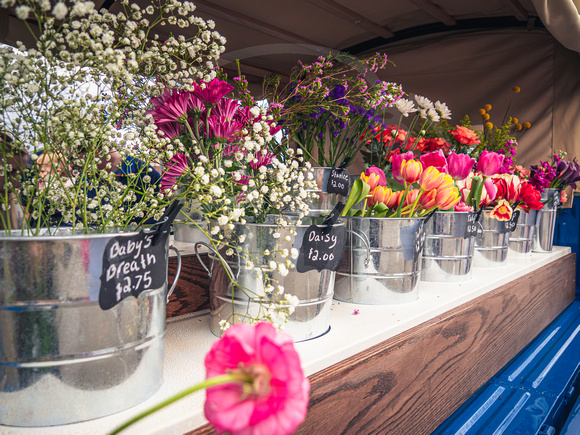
428,200
459,165
374,177
397,162
435,159
490,190
489,163
276,401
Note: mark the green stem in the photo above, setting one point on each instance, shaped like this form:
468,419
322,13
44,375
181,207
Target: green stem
218,380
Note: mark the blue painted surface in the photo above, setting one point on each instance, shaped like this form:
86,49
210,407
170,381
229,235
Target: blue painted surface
572,426
534,393
567,233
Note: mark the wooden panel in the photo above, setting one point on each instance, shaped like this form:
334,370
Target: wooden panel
411,383
192,291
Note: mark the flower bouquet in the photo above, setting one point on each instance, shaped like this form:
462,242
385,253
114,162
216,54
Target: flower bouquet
253,202
330,106
77,181
387,231
550,178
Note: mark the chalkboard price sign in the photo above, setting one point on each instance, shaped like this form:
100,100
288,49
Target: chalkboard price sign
135,263
338,182
472,220
322,248
510,226
131,265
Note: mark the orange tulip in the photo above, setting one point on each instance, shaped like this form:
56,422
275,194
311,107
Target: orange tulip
447,198
382,194
411,197
431,178
411,171
428,200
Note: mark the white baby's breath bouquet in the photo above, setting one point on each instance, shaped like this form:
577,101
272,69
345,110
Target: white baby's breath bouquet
228,168
73,105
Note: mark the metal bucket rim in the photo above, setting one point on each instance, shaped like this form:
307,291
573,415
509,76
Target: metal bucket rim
385,218
54,237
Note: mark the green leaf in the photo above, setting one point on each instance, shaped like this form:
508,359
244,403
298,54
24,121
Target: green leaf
394,185
358,192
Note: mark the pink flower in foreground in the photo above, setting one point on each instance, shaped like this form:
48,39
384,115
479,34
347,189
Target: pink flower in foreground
222,128
374,177
277,400
177,165
212,92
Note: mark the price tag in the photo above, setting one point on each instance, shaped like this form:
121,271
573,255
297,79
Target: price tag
338,182
510,226
322,248
135,263
472,220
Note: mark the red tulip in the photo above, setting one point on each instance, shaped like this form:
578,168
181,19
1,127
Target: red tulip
502,211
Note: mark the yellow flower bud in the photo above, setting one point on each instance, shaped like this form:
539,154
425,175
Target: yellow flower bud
487,107
488,125
486,117
516,89
526,125
518,127
481,112
515,120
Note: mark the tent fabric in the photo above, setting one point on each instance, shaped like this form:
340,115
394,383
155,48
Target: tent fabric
562,19
467,70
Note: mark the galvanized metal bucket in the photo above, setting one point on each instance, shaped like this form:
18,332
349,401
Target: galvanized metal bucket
324,202
313,289
520,243
62,358
447,253
491,244
546,223
188,232
380,265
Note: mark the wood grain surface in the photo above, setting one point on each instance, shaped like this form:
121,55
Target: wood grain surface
192,291
412,382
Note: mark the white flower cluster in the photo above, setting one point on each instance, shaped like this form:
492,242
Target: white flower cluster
82,91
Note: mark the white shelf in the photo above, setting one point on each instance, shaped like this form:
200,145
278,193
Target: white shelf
188,339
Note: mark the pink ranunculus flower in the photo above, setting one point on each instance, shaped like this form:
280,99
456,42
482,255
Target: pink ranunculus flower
435,159
489,163
277,400
397,162
462,206
465,136
459,165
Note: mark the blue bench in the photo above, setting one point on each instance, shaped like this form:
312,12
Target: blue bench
535,393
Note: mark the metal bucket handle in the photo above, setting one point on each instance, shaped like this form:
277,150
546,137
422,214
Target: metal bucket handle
367,245
208,270
177,272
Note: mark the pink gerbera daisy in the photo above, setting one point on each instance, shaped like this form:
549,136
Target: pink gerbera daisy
177,166
212,92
